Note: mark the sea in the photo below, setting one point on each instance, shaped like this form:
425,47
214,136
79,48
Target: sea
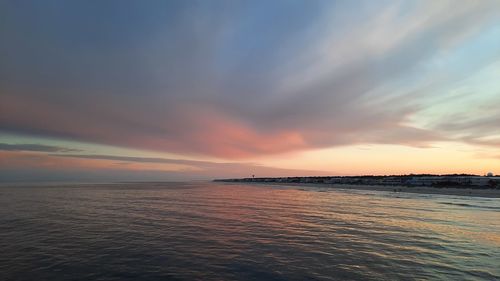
223,231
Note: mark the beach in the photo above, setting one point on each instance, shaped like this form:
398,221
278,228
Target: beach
471,192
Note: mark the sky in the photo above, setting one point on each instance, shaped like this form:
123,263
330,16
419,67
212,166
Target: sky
187,90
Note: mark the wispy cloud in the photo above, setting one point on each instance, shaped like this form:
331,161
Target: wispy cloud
35,147
30,166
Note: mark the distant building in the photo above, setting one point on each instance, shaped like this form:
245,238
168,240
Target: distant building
490,174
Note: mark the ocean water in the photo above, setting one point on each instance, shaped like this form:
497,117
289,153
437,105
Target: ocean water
214,231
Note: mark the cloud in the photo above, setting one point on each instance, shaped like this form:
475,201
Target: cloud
247,80
223,169
482,130
194,163
30,166
35,147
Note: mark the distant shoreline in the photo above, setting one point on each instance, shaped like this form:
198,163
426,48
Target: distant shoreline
470,192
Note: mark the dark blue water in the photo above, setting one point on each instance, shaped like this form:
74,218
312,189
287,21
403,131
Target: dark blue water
209,231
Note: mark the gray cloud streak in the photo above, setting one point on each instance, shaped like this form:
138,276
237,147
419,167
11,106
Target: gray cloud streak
35,147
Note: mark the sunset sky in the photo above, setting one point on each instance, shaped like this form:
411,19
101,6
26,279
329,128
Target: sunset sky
179,90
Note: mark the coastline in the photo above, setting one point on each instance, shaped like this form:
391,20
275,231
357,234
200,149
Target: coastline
467,192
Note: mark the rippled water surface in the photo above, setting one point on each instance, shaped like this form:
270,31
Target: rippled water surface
210,231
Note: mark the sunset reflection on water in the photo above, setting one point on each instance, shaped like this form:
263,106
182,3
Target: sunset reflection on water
210,231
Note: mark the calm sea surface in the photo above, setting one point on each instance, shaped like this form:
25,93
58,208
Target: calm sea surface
210,231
